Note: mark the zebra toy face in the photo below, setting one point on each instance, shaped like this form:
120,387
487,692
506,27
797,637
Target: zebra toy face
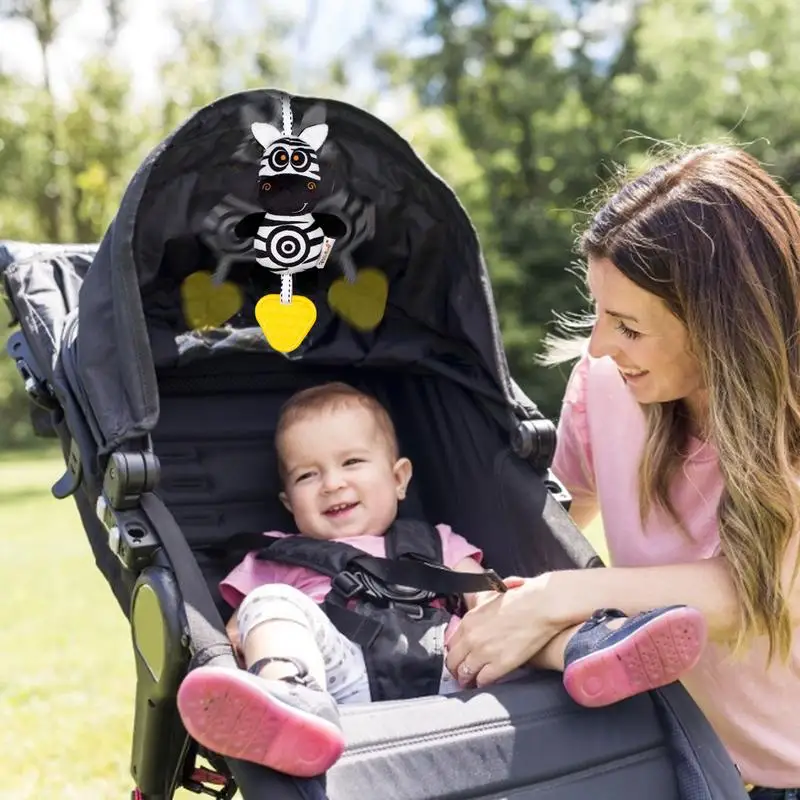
288,174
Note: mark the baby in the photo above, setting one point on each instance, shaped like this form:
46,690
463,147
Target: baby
342,480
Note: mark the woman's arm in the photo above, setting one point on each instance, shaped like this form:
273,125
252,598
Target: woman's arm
505,632
509,630
706,585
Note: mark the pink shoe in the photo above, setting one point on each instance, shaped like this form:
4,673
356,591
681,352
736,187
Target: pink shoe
284,725
647,651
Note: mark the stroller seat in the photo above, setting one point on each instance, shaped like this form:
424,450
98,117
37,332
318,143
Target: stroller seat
167,433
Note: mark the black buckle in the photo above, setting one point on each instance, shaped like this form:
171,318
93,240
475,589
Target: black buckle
412,611
347,585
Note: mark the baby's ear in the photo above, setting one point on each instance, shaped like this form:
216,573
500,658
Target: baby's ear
284,498
402,475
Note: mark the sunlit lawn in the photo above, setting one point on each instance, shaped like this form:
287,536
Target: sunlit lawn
66,666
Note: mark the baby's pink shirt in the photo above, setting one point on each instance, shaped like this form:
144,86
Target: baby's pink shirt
754,709
252,572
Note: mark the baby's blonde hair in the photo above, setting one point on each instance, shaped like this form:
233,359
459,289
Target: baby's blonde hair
332,396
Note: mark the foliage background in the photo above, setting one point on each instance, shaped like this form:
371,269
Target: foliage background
525,108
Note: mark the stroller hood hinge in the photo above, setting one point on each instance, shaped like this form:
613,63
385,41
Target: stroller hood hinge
130,534
128,476
535,441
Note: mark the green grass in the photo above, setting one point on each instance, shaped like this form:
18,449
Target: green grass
66,669
66,664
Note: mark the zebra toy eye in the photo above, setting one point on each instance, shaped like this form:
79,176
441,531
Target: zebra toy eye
311,185
300,160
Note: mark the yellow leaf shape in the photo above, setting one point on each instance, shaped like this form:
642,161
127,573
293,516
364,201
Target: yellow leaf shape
362,303
207,305
285,324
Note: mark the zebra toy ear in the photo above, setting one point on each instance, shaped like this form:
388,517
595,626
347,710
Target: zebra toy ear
314,136
265,133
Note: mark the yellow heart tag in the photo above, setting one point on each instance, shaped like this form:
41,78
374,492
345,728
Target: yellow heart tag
207,305
285,324
363,302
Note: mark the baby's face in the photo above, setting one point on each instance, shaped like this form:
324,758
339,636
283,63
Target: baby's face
341,477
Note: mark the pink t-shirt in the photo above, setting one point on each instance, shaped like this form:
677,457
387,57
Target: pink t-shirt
252,572
754,709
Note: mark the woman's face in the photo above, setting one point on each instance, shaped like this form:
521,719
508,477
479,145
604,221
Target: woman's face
647,342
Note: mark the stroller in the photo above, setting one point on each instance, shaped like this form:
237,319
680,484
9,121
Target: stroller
167,432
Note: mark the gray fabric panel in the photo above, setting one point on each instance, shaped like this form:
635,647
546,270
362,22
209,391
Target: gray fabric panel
525,739
43,283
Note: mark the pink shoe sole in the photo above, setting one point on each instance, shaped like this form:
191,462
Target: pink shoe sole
232,713
655,655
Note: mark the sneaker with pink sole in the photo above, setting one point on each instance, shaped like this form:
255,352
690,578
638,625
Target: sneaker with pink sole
650,650
289,725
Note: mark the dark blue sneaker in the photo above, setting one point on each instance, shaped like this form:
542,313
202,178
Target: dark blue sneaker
603,666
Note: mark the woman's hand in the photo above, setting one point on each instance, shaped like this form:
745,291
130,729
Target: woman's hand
502,633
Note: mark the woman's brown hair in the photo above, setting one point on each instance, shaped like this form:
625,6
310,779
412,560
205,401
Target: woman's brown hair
714,236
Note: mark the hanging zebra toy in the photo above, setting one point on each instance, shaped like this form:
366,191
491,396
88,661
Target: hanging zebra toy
292,228
288,239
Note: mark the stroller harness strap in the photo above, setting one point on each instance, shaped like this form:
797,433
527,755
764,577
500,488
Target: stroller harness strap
396,608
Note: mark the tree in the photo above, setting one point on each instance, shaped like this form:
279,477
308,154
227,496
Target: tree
548,98
538,129
65,166
522,107
45,17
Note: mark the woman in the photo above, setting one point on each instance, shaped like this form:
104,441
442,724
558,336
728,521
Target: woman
681,426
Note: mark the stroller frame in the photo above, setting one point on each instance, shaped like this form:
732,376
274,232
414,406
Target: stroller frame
117,477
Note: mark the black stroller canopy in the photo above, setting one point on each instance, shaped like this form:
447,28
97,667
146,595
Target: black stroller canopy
440,313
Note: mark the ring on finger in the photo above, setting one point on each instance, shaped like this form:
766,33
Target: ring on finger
465,670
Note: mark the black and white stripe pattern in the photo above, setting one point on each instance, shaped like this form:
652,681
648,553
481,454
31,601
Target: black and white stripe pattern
288,243
289,155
